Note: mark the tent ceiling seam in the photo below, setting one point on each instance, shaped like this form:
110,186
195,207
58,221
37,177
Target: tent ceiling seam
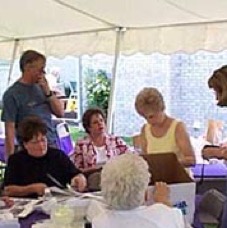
62,3
10,39
181,8
59,35
179,25
6,37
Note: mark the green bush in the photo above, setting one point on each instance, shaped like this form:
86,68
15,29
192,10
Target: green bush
98,89
76,133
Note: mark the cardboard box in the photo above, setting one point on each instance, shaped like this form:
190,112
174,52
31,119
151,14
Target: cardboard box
166,168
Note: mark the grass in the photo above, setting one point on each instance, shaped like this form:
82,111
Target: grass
128,140
2,172
210,226
76,133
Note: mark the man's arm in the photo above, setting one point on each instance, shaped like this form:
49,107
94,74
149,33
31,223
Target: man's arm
56,105
9,138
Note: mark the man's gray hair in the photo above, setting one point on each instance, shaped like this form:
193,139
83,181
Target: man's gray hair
124,181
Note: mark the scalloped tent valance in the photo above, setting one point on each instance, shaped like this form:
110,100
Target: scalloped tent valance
75,27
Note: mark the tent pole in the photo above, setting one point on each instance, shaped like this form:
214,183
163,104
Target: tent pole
111,103
80,93
15,46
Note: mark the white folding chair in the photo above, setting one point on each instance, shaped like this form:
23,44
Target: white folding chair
73,89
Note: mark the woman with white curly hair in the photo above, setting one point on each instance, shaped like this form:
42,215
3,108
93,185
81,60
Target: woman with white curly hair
124,182
162,133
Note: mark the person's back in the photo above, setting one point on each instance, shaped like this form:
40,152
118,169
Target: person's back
155,216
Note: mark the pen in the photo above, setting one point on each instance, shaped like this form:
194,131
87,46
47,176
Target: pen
58,184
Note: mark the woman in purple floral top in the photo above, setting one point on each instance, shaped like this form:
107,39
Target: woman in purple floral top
97,147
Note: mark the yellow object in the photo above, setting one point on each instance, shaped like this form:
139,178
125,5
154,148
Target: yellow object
71,105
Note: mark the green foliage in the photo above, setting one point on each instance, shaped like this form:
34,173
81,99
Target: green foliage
76,133
98,89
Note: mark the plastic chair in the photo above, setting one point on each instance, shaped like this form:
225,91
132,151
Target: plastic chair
64,141
211,208
73,89
94,181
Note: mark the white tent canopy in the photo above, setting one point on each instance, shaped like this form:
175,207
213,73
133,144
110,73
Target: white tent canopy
74,27
62,27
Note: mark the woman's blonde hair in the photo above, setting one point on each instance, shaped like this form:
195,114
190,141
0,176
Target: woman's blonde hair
149,100
218,82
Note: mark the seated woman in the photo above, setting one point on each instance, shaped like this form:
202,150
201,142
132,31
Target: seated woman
218,82
37,166
162,133
124,195
97,147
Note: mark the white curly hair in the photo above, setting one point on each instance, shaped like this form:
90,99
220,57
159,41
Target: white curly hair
124,180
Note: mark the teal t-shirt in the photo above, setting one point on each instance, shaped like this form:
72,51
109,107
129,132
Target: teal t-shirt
22,100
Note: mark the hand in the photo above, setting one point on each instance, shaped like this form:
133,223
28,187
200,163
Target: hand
38,188
44,84
161,193
79,182
213,152
8,201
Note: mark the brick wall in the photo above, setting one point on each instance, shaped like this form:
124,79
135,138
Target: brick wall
182,78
